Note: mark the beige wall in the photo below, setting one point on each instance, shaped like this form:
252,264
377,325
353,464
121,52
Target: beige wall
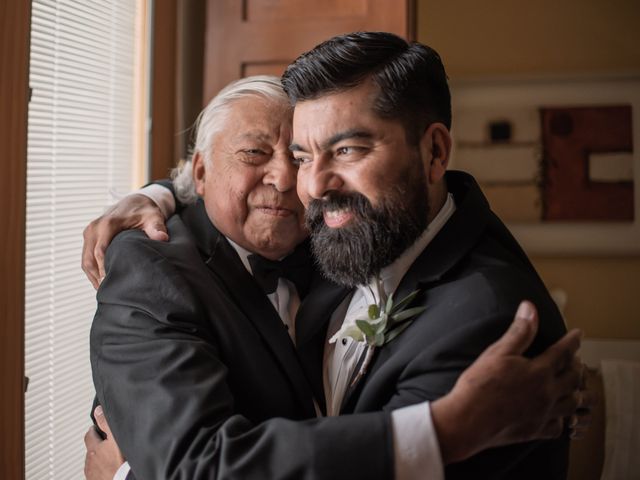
532,37
547,37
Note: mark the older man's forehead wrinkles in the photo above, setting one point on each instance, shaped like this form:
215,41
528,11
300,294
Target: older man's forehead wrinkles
254,135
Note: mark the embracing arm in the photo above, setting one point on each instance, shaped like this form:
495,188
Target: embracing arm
163,386
175,420
521,394
505,398
147,210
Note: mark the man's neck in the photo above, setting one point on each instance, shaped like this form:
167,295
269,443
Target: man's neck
391,275
438,195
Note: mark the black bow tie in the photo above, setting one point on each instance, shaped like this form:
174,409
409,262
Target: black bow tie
295,268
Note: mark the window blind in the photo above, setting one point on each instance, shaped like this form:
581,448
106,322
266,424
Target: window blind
80,147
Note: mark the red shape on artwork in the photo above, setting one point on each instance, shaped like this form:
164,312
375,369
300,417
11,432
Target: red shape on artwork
569,136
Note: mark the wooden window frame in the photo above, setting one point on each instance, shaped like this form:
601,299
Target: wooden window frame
15,18
163,144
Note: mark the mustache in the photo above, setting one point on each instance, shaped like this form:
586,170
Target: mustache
276,199
354,201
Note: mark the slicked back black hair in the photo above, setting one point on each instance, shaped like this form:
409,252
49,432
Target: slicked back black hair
410,76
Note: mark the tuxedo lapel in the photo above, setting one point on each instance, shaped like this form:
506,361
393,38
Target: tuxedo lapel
225,264
354,386
452,243
456,238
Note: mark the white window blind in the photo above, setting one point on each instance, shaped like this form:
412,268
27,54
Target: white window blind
80,146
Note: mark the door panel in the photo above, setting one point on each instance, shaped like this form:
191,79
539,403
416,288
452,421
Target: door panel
263,68
289,10
251,37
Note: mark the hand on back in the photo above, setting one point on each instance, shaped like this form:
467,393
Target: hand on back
504,397
133,211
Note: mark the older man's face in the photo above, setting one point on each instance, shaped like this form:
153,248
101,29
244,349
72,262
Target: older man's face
249,189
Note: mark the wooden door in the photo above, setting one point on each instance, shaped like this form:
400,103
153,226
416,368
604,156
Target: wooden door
252,37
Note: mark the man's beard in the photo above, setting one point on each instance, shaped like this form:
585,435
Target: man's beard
375,237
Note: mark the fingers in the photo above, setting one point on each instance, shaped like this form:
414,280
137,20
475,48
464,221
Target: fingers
89,265
92,438
133,211
560,356
552,429
586,400
520,334
579,423
97,237
565,406
569,377
101,420
577,404
99,252
563,390
156,229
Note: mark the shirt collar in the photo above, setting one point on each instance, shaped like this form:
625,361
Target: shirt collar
391,275
243,253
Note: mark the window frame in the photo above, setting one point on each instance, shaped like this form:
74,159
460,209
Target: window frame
15,17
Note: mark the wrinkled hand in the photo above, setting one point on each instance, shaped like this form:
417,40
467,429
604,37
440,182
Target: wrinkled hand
505,398
133,211
103,457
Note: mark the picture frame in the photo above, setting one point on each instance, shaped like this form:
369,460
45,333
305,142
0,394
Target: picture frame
520,95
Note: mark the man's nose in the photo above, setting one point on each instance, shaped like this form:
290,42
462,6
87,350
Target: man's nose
280,172
322,179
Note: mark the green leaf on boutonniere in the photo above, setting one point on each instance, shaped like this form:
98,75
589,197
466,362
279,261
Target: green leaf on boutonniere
384,323
387,320
404,302
389,306
366,328
394,332
407,314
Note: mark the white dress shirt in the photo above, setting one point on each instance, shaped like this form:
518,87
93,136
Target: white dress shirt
416,448
122,472
415,442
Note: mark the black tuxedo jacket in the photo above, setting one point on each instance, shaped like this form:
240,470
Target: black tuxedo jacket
170,350
472,277
198,376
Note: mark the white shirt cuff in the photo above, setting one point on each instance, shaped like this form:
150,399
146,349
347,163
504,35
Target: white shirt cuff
415,444
161,196
122,472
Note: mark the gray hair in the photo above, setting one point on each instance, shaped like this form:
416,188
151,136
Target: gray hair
211,121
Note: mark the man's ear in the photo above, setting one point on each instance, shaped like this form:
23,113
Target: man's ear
199,172
435,148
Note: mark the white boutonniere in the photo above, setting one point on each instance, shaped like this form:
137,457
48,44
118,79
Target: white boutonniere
384,322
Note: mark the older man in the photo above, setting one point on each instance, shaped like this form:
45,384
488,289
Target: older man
194,364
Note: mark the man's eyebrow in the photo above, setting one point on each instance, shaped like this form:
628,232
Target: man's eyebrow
338,137
294,147
347,134
253,135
